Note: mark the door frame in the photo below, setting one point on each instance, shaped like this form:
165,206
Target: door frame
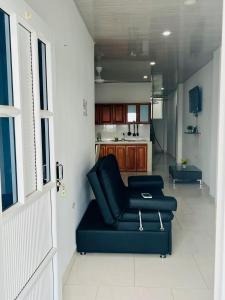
219,286
38,29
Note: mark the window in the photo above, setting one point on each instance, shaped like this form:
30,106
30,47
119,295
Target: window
43,75
45,150
44,108
8,178
6,91
27,110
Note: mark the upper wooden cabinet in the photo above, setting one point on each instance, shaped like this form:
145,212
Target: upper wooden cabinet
132,113
144,113
119,114
105,114
122,113
138,113
97,114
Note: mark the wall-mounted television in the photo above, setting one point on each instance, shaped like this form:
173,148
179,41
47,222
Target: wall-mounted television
195,100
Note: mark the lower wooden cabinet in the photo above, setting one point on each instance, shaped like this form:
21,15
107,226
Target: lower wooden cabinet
121,157
110,149
131,158
131,155
102,151
141,158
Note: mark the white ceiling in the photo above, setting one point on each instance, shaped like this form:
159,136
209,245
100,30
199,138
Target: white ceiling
122,26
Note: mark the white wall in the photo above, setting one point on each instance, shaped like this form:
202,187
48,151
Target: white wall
201,150
74,133
171,107
123,92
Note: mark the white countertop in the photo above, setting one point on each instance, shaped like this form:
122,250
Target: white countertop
141,141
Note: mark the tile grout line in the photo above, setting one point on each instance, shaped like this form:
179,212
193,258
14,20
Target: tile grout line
199,269
172,294
97,292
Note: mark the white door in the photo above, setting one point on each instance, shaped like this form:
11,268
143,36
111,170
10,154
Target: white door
28,246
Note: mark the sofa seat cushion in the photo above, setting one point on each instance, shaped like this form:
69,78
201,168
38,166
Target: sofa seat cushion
132,215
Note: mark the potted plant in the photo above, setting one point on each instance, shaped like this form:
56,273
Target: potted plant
184,163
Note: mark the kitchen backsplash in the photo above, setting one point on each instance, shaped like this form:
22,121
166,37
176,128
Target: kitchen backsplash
112,131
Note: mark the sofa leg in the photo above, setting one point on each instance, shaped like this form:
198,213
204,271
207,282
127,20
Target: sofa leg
162,255
83,253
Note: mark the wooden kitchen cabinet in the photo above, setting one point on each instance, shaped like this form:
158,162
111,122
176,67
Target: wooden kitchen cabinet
102,151
119,114
144,113
97,114
138,113
141,158
121,157
106,114
131,158
110,149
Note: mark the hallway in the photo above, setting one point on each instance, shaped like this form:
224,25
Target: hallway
186,275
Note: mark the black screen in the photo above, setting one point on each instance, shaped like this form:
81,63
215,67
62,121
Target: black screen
195,101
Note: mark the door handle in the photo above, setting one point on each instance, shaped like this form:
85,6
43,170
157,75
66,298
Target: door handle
59,175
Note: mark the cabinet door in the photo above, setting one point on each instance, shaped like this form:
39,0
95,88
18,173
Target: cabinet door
110,149
102,151
121,156
141,158
131,113
131,158
144,113
97,113
106,114
118,114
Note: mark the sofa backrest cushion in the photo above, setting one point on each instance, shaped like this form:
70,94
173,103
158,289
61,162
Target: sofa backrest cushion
112,184
99,194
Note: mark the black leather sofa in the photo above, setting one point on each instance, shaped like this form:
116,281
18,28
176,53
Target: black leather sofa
120,220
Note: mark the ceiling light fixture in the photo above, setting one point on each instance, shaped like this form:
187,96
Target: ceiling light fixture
166,33
152,63
190,2
145,77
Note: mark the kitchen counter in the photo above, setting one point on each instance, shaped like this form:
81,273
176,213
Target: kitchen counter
123,142
129,142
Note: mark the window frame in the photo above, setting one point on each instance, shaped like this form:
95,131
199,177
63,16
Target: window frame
14,111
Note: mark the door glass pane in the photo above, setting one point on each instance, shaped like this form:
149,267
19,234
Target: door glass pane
45,150
43,75
132,113
6,91
27,111
7,163
144,113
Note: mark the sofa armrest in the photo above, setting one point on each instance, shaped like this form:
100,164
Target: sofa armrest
145,181
156,203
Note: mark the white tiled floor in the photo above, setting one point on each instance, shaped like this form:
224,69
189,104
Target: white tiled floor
185,275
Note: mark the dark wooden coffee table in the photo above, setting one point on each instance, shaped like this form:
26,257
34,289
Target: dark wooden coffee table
189,174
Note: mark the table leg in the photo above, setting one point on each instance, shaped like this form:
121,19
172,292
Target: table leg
200,183
174,183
